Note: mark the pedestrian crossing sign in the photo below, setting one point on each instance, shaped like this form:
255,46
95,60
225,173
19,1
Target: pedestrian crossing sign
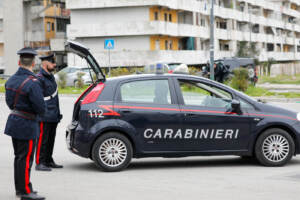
109,44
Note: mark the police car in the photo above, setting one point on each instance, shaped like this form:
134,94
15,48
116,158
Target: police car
175,115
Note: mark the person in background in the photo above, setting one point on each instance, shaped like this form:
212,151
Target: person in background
51,118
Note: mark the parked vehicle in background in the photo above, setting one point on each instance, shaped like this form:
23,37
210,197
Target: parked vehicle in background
177,68
72,75
231,64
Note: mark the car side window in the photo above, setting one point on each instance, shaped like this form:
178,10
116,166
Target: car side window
199,94
147,91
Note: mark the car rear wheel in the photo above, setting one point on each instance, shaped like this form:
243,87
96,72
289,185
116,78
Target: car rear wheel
112,152
274,147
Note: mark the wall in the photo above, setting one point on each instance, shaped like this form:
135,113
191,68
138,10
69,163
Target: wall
98,16
121,43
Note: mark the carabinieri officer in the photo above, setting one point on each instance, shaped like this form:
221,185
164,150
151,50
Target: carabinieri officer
52,116
24,97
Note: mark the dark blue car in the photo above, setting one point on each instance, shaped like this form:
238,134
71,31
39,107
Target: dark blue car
173,115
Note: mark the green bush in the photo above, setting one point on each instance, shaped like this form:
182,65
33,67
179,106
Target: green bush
62,79
79,82
240,79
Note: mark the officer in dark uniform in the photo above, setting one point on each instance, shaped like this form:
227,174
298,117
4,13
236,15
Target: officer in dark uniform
52,116
25,99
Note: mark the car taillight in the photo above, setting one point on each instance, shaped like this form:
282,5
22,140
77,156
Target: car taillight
94,94
170,71
83,93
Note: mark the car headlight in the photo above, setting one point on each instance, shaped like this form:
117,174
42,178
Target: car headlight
298,116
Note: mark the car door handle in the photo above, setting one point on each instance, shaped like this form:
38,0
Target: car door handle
125,111
190,114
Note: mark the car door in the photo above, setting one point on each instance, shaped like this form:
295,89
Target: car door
150,107
208,121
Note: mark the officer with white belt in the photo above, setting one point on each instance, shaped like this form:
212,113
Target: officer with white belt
52,116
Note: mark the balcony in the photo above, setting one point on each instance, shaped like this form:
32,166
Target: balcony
136,28
141,58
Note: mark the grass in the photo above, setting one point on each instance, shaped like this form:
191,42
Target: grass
2,88
261,92
280,79
71,90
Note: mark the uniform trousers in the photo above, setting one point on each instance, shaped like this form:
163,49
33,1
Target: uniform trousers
24,153
45,143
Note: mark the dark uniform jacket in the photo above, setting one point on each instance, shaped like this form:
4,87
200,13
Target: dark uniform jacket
50,93
30,101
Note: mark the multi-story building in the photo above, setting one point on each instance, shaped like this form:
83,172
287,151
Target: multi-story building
146,31
1,38
40,24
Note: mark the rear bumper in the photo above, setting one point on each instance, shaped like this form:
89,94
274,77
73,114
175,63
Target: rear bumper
77,142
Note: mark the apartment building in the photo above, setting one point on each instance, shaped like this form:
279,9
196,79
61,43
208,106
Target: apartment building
146,31
40,24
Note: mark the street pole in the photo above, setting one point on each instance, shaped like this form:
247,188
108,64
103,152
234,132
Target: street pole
109,63
212,38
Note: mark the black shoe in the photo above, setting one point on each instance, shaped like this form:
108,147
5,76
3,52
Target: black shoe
53,165
19,194
31,196
42,167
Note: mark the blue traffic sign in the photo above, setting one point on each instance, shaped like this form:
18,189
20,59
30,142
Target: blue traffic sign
109,44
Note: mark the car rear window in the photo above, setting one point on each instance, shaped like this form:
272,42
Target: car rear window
147,91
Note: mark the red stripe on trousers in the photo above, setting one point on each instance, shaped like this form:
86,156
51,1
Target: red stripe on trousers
27,168
38,150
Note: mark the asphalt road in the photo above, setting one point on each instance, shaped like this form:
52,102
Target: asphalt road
206,178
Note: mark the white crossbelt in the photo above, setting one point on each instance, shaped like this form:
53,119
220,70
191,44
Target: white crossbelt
51,96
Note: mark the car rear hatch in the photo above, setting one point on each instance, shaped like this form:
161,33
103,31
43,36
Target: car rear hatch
82,51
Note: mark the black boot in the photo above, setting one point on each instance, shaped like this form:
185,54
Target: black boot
42,167
31,196
19,194
53,165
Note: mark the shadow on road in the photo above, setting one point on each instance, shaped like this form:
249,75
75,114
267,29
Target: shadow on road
236,162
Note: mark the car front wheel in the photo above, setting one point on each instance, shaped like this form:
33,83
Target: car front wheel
112,152
274,147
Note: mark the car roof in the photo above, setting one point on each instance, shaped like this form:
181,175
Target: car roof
144,76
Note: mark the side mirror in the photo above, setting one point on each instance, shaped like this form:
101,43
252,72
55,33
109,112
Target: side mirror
236,106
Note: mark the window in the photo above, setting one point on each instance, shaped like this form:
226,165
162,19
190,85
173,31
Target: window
156,16
48,26
52,26
166,17
170,44
148,91
166,45
199,94
170,17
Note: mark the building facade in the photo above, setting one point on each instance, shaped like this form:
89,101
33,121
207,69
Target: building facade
40,24
146,31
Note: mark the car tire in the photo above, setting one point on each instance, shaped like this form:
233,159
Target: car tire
274,147
112,152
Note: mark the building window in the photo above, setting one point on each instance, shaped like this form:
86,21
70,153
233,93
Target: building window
48,26
166,17
171,45
170,17
270,47
155,15
166,45
52,26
